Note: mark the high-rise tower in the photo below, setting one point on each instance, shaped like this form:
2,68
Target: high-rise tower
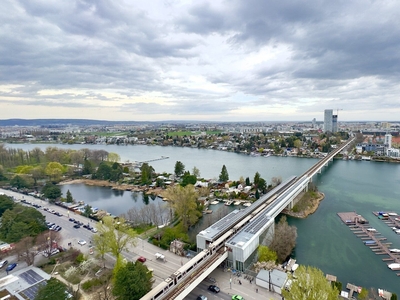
328,120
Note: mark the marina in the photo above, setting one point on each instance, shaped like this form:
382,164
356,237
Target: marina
372,238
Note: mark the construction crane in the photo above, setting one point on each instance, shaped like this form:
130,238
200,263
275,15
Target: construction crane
337,111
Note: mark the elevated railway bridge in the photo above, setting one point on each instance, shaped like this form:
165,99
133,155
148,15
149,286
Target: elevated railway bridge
236,237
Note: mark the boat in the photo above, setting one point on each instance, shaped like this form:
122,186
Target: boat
237,203
214,202
229,202
394,250
371,229
247,204
394,266
369,243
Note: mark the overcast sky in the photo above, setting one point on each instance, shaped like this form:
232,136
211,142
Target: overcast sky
249,60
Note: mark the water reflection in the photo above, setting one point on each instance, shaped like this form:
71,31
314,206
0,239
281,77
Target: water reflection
135,196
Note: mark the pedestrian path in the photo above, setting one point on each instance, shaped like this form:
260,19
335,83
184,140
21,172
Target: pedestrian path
229,284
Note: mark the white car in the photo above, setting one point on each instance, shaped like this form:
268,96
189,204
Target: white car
82,242
94,230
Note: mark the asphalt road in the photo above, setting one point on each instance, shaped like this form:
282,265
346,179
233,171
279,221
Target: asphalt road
161,269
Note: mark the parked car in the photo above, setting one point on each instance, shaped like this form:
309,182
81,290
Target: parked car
94,230
11,267
82,242
3,263
77,226
214,288
237,297
201,297
71,219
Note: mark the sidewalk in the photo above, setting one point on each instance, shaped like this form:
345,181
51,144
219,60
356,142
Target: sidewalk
246,289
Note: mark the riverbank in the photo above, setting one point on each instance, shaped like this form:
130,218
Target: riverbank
116,186
307,205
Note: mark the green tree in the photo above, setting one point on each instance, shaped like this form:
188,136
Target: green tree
146,173
247,181
19,182
262,185
116,235
224,176
256,179
394,297
87,211
2,175
21,221
87,167
132,281
54,289
37,173
266,254
113,157
310,283
116,172
103,171
69,197
5,203
184,202
179,168
51,191
188,179
257,194
54,170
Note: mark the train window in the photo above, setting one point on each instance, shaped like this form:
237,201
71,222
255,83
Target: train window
158,295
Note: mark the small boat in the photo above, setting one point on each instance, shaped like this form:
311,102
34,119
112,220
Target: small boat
214,202
247,204
371,229
236,203
369,243
394,250
392,214
229,202
394,266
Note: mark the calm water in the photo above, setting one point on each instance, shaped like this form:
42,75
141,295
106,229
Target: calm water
114,201
323,241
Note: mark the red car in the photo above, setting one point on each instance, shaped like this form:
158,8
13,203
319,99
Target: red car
141,259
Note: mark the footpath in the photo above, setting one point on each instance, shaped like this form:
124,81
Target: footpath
229,284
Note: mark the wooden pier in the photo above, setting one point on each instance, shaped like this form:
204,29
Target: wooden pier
370,237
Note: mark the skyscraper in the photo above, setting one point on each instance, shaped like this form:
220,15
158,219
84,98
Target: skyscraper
328,120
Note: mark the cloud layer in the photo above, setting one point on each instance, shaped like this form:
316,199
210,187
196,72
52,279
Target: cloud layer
252,60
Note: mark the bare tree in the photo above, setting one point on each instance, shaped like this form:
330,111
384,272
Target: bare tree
27,250
275,181
284,239
48,241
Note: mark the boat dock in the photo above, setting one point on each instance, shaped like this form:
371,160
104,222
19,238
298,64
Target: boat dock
391,219
371,238
150,160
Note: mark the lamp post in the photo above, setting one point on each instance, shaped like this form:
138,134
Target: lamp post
230,278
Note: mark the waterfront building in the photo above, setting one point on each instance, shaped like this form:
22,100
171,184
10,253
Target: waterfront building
388,140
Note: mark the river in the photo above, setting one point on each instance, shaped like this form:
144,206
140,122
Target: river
323,240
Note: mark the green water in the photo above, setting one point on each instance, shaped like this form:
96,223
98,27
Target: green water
325,242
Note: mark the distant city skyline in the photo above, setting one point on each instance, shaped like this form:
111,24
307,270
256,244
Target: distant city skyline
212,61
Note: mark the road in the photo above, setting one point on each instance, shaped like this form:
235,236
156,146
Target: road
161,269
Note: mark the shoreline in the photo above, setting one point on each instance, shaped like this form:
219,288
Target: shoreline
115,186
309,211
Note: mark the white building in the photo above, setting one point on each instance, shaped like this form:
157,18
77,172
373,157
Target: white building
388,140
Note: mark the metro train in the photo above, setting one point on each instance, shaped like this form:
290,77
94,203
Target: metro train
164,287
